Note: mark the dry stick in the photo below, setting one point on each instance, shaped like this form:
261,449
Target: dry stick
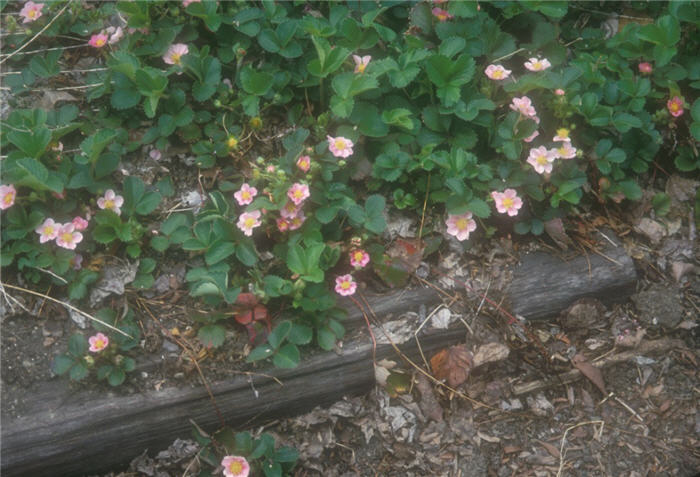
67,305
425,203
369,327
8,73
192,356
563,440
37,34
574,374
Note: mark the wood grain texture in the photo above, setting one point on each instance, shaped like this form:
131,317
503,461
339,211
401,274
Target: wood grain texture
544,285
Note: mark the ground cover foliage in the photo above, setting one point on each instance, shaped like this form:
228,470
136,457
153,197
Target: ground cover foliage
466,115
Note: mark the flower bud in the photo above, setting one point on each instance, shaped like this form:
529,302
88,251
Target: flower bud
342,163
217,103
232,142
299,285
89,360
255,123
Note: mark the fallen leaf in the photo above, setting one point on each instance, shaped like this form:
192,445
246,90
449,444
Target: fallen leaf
428,401
50,98
487,438
453,364
555,230
680,269
549,448
489,353
591,372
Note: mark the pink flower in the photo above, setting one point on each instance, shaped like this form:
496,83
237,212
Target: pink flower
282,224
507,202
345,285
304,163
76,261
441,15
541,159
98,40
562,135
175,53
566,151
67,236
248,221
497,72
185,3
532,136
559,92
98,342
80,223
535,64
460,225
235,466
246,194
115,34
524,106
361,63
31,11
298,193
340,146
155,154
289,210
48,230
296,221
359,258
675,106
111,201
645,68
7,196
270,169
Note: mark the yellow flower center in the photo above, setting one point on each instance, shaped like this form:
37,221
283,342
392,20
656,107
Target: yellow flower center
541,160
9,197
245,194
563,132
507,202
32,13
298,194
339,144
67,237
100,42
175,58
99,343
562,151
361,68
109,204
236,467
674,107
461,224
232,141
359,256
497,74
345,285
48,230
249,223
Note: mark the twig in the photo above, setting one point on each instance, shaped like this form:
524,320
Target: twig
37,34
425,203
89,70
67,305
563,440
508,55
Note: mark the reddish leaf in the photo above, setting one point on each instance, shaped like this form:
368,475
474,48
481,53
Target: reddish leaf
453,364
244,317
591,372
260,312
247,299
408,251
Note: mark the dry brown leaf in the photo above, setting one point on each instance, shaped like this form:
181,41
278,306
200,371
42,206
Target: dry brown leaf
428,401
555,230
453,364
591,372
549,448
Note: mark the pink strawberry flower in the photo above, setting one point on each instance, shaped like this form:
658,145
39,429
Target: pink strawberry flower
566,151
304,163
559,92
497,72
296,221
31,11
98,342
460,225
282,224
235,466
155,154
298,193
7,196
248,221
541,159
524,106
535,64
361,63
48,230
67,237
442,15
80,223
532,136
675,106
340,146
111,201
246,194
185,3
645,68
76,261
289,210
175,53
562,135
98,40
115,34
359,258
345,285
507,202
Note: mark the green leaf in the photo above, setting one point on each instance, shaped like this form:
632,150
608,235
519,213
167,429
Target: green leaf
32,143
300,334
212,335
661,203
623,122
261,352
305,262
374,210
218,251
279,334
286,454
398,117
631,190
123,98
62,364
369,121
116,377
94,144
77,345
479,208
287,357
276,286
78,372
47,66
255,82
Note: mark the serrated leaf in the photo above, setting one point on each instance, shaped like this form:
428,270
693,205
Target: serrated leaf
279,334
125,98
212,335
287,357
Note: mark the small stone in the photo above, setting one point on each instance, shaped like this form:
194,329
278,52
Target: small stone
659,306
651,228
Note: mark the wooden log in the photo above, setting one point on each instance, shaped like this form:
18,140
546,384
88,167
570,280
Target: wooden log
544,285
74,435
